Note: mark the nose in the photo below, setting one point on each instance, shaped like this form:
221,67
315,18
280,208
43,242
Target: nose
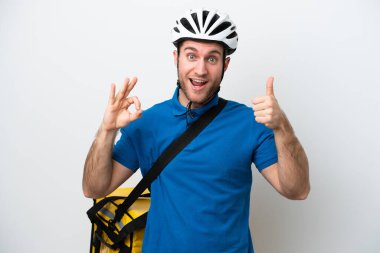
201,68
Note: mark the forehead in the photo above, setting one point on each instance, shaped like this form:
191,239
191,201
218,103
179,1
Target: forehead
201,46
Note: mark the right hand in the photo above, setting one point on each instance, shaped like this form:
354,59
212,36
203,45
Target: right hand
117,114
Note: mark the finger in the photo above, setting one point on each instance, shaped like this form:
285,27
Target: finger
121,94
258,100
270,91
260,106
261,120
131,85
136,115
264,113
260,113
132,100
111,98
135,101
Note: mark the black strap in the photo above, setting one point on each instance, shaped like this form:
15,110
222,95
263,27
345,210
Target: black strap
132,226
95,242
174,148
99,205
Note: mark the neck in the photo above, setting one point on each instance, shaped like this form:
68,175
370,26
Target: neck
184,101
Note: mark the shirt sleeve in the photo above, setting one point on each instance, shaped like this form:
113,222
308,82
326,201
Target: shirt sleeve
265,153
124,151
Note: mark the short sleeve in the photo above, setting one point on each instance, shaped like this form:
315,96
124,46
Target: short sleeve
265,153
124,151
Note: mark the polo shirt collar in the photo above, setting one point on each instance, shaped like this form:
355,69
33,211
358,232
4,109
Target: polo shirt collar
179,109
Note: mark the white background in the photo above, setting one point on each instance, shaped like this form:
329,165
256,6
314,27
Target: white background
58,58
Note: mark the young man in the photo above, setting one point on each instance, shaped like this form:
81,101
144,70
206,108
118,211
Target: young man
200,202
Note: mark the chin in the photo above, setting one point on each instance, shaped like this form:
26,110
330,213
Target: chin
200,100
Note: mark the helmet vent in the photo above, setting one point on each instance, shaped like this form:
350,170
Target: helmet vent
195,17
232,35
187,25
206,25
213,20
205,14
223,26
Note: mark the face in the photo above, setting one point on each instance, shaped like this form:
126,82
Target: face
199,71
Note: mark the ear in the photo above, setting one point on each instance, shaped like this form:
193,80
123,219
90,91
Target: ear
175,56
226,62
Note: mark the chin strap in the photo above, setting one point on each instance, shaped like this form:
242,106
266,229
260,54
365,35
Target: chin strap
188,107
188,111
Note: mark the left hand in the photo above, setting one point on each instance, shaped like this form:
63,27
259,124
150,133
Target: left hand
266,108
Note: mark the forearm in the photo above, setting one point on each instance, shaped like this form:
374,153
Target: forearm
293,172
97,173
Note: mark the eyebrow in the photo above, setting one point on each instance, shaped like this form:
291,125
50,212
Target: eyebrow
211,52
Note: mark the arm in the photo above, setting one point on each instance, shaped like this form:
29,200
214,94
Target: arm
101,174
290,176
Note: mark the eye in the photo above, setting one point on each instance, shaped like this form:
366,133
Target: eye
212,59
191,57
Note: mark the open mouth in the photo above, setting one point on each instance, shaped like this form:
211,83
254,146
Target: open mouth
198,83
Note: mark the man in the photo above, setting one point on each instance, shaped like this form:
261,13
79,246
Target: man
200,202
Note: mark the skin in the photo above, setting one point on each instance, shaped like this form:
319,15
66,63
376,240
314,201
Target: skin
102,174
203,62
199,61
290,176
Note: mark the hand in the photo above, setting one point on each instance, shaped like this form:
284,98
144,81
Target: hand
267,109
117,114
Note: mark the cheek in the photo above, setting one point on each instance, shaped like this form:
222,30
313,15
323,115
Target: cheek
184,69
217,72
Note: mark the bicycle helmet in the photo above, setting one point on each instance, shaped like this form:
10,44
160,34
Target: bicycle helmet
203,24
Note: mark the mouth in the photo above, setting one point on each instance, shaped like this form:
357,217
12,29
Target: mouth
198,84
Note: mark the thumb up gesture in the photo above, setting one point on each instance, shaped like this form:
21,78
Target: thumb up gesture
266,108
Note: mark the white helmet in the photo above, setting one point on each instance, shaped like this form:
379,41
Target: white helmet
203,24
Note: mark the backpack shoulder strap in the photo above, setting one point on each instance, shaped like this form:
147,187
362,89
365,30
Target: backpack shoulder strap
170,152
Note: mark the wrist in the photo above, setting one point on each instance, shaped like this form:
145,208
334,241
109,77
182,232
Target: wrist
108,126
105,133
284,128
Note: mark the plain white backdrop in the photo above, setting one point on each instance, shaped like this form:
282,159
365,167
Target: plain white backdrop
58,58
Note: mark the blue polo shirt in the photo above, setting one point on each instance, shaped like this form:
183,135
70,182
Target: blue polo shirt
200,202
